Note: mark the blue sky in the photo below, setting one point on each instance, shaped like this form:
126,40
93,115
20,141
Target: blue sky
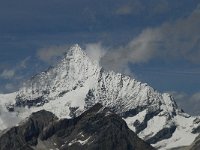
156,41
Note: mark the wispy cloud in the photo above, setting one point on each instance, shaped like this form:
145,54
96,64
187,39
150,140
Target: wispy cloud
189,102
49,54
11,76
136,7
95,51
170,41
130,8
124,10
10,86
23,63
139,50
161,7
12,72
7,74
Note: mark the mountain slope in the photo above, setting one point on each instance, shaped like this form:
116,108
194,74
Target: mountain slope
195,145
77,82
97,128
25,135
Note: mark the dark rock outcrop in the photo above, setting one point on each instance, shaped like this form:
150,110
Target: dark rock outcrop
165,133
195,145
96,129
25,135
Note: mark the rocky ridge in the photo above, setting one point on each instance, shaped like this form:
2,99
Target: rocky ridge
97,128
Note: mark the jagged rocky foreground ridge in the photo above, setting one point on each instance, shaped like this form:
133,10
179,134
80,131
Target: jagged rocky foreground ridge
77,82
97,128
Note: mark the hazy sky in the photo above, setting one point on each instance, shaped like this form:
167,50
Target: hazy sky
156,41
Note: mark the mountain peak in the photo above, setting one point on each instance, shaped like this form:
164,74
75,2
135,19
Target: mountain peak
75,51
70,73
77,83
75,48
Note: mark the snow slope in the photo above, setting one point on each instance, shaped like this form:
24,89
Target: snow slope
7,119
77,82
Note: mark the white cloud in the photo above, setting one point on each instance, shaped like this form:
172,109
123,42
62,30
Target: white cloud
7,74
139,50
124,10
49,54
132,7
144,47
10,86
95,51
23,63
170,41
189,102
196,98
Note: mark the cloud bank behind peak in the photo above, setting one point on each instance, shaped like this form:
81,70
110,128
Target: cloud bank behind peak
175,40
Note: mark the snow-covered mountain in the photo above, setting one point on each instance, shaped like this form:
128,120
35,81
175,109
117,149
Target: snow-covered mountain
77,82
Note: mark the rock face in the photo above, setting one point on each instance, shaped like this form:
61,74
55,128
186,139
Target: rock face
195,145
25,135
77,83
97,128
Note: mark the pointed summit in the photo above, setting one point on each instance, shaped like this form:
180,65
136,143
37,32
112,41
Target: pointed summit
70,73
75,48
76,51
